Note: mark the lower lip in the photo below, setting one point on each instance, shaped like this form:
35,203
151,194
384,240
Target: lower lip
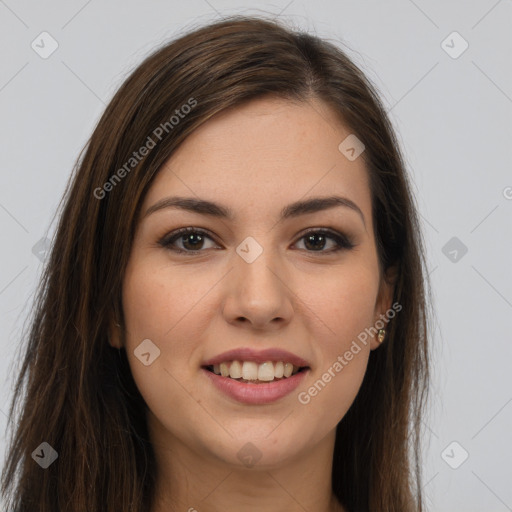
254,394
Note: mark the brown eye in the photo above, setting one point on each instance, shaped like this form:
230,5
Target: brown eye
316,240
191,239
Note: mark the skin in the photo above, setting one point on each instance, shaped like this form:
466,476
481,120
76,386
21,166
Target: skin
255,159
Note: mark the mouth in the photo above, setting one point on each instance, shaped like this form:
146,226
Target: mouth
256,377
250,372
251,388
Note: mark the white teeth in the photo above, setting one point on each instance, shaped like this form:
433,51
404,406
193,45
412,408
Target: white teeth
279,370
266,371
235,370
224,370
249,370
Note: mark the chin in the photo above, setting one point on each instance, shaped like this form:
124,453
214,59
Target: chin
261,451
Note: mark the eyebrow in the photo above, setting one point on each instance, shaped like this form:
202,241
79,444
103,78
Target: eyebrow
295,209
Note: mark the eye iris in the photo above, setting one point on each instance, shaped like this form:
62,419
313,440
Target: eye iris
196,237
309,238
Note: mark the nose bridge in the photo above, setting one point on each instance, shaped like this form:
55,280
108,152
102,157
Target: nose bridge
257,265
257,288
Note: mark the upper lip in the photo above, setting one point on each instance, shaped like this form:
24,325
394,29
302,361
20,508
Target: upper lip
257,356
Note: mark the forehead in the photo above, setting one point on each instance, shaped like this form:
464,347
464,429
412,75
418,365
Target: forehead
264,154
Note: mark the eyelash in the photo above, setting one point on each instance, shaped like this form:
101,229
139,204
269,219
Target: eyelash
342,241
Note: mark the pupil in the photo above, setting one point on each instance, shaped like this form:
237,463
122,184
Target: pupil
196,238
309,238
187,238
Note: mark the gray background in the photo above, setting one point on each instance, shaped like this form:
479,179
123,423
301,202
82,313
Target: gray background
452,116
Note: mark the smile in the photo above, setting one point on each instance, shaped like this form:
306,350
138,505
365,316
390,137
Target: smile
254,376
256,392
249,371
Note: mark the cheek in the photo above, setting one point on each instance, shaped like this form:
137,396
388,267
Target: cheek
164,309
159,304
328,396
343,303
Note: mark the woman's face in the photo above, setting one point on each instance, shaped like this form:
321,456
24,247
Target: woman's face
254,282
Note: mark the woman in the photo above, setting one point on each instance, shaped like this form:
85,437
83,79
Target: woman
233,316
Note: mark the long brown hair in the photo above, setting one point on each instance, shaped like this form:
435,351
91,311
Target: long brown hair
80,397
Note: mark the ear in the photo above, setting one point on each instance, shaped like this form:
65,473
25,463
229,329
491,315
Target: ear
114,335
383,304
114,329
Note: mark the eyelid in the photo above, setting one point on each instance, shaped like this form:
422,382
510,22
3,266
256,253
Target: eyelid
343,241
173,236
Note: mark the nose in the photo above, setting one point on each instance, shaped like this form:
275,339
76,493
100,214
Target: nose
258,294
